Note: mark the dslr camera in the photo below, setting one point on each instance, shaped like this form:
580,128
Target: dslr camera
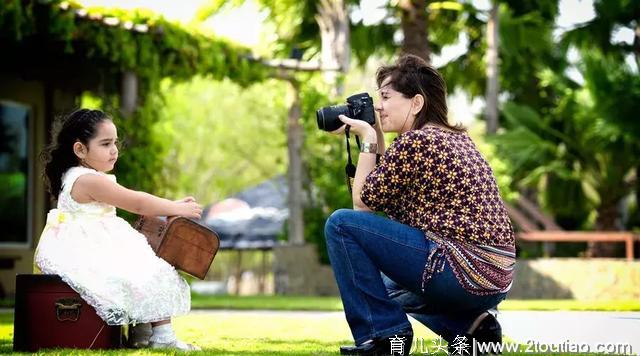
358,107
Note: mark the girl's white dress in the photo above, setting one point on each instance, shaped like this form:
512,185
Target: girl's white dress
108,262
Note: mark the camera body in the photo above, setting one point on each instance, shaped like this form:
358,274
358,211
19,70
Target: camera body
358,107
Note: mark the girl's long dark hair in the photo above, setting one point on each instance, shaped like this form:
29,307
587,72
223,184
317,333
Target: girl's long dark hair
79,126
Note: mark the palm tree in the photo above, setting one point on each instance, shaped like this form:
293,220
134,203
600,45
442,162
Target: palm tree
596,35
574,152
413,19
492,70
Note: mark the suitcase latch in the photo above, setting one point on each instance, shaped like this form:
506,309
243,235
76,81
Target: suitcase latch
68,309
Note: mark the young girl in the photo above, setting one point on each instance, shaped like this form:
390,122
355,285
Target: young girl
98,254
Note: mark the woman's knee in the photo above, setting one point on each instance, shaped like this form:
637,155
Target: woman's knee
338,217
335,220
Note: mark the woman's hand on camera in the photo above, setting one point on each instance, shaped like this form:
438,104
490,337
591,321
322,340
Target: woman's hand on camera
358,127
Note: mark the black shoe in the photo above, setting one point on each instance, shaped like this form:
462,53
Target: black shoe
399,343
485,330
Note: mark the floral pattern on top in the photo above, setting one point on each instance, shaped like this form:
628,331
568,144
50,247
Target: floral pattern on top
436,180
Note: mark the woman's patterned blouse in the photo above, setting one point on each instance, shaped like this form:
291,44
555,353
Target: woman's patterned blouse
436,180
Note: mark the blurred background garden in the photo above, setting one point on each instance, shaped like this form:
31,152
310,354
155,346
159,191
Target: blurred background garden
217,99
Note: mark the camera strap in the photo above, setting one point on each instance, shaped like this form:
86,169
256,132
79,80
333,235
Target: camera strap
350,168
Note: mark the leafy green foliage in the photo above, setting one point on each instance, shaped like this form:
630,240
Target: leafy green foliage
597,33
616,88
617,98
293,21
575,152
220,136
166,49
367,41
526,47
324,159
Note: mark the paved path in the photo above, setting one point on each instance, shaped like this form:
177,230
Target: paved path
579,328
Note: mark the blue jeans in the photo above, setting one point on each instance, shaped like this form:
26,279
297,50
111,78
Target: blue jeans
379,263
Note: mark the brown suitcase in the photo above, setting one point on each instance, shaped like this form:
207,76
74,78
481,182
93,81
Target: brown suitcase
49,314
185,244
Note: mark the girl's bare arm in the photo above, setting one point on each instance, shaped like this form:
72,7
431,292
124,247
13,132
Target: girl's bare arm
92,187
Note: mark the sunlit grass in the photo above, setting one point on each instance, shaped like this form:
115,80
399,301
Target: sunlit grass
334,303
252,330
243,333
266,302
251,333
571,305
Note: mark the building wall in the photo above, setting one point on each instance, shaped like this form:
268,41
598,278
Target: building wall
296,272
577,278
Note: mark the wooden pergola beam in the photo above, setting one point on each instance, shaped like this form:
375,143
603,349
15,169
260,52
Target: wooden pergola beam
296,65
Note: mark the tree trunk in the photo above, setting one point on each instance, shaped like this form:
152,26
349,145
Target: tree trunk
492,71
636,51
636,44
413,18
128,93
605,221
294,146
333,21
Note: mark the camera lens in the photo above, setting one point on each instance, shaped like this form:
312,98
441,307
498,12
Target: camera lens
327,117
320,118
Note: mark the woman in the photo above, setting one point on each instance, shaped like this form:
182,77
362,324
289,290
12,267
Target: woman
446,252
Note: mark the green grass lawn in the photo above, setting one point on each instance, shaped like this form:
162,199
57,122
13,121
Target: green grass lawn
273,302
253,330
242,333
251,333
334,303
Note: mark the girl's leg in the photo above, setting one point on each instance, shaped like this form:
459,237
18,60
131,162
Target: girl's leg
161,322
360,246
139,335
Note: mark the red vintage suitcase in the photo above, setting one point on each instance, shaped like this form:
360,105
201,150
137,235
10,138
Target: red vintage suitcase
49,314
185,244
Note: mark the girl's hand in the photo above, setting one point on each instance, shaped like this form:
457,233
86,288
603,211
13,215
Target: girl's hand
189,209
186,200
358,127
